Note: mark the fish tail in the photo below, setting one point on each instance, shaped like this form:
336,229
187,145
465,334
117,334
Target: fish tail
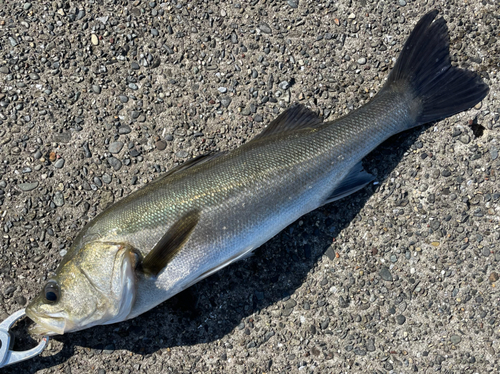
424,72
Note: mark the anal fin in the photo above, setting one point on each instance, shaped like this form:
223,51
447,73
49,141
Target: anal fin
353,182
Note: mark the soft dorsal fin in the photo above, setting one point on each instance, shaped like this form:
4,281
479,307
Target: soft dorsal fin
297,117
170,244
354,181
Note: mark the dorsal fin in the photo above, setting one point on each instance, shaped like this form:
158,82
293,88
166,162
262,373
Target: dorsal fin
170,244
294,118
192,162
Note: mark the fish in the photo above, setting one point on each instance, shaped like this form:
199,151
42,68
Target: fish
214,210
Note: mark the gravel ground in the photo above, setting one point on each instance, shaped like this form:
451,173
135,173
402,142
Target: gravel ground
97,98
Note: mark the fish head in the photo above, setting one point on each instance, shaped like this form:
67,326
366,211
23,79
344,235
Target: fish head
95,285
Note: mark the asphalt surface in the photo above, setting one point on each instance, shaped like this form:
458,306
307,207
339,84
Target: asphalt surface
97,98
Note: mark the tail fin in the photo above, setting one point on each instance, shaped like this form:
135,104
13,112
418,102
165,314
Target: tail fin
424,65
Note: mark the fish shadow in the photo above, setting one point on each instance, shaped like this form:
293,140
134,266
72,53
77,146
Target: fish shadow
224,301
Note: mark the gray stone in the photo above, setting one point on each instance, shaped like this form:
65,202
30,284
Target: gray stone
264,27
28,186
182,154
385,274
124,129
58,198
455,339
59,163
493,153
115,163
115,147
106,178
225,101
284,85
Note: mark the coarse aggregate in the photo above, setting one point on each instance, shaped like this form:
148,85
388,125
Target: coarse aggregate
100,97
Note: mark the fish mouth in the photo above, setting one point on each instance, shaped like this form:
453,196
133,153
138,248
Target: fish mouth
47,325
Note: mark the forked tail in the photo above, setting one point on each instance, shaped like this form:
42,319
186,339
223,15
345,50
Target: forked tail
438,89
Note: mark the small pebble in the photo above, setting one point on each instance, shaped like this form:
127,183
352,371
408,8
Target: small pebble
125,129
284,85
115,147
225,101
264,27
385,274
59,163
493,153
400,319
21,300
161,145
455,339
115,163
94,39
106,178
58,198
28,186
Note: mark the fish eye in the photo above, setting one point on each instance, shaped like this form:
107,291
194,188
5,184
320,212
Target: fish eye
51,291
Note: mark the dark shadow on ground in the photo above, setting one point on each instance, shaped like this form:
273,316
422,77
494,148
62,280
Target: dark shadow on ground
218,304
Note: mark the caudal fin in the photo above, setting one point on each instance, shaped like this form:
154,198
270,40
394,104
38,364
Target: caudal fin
424,68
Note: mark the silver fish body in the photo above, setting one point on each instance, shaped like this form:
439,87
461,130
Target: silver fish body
243,198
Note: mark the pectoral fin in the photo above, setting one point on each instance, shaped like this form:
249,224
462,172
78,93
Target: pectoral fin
170,244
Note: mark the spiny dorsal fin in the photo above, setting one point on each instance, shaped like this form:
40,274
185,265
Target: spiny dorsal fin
297,117
192,162
170,244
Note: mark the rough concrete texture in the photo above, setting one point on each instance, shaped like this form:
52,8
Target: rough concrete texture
97,98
